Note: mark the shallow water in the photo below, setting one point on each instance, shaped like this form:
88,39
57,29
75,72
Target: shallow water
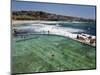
43,53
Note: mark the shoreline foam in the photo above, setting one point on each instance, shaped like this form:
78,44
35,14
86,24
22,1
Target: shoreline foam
45,28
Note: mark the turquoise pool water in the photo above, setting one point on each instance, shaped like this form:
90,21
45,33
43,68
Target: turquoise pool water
42,53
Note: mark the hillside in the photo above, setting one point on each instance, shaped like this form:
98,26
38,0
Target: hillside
40,15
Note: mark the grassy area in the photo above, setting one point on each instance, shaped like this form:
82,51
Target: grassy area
51,53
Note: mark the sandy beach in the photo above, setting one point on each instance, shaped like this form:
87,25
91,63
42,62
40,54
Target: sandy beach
35,21
38,21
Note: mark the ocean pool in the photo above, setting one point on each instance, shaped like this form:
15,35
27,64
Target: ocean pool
43,53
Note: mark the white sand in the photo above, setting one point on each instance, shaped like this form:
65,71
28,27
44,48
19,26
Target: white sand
40,21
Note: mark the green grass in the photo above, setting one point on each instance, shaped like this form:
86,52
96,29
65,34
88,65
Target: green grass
35,55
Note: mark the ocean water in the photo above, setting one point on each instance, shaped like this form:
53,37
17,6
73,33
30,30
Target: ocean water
76,28
88,28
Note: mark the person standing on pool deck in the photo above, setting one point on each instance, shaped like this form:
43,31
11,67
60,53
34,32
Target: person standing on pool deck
48,31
